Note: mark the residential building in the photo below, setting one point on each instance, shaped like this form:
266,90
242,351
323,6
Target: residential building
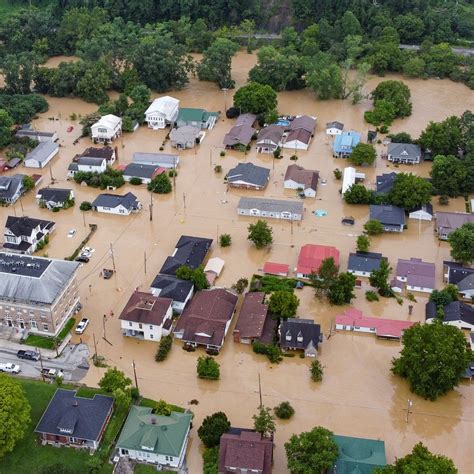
300,132
105,152
447,222
41,155
456,313
107,129
312,256
207,318
358,455
52,198
11,188
162,112
334,128
23,234
155,439
168,286
190,251
162,160
304,122
248,176
463,277
416,274
245,451
422,213
364,263
87,165
37,295
350,177
246,119
345,143
73,421
252,317
278,269
296,177
269,138
146,316
239,136
185,137
145,172
273,208
116,204
405,153
353,320
36,135
300,334
196,118
391,217
213,269
384,183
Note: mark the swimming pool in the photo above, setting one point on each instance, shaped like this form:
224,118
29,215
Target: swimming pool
283,123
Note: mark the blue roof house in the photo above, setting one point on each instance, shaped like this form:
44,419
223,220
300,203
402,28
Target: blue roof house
345,143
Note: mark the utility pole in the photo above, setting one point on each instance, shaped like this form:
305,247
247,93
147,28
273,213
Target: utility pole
151,207
184,200
210,156
95,348
104,319
41,364
112,255
84,218
135,374
21,205
409,405
174,173
225,89
145,262
260,391
51,174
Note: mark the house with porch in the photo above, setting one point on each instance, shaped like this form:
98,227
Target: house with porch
107,129
52,198
405,153
186,137
298,334
391,217
345,143
75,422
312,256
11,188
248,176
299,133
162,112
296,177
24,234
269,138
272,208
85,164
196,118
116,204
41,155
144,172
105,152
334,128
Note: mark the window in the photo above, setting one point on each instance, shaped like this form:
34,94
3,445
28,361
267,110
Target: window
140,325
151,327
151,336
130,323
33,324
45,327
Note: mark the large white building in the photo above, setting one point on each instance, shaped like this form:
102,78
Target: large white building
116,204
162,112
107,129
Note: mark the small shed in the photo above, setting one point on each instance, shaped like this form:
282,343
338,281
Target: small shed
278,269
213,269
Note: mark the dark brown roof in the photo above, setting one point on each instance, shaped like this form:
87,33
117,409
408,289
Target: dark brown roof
239,135
308,178
104,152
246,119
271,132
252,316
145,308
304,122
207,314
247,450
299,134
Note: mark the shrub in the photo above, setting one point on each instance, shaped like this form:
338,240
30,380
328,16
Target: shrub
160,184
136,181
225,240
208,368
85,206
373,227
293,158
241,285
371,296
164,348
316,371
270,350
212,428
222,153
172,173
337,173
443,200
218,169
284,411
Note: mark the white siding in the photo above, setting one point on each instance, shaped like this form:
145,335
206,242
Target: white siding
119,210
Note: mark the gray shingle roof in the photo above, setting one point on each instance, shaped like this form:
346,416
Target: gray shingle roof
404,150
249,173
390,215
159,159
338,125
42,151
172,287
455,311
385,182
129,201
364,261
138,170
304,122
295,327
90,161
239,135
271,132
10,185
24,226
54,194
271,205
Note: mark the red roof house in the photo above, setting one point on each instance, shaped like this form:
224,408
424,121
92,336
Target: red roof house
311,256
353,320
279,269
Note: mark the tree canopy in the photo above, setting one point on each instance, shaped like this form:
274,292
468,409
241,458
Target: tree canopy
409,191
212,428
260,234
114,379
462,243
264,422
363,154
283,304
255,98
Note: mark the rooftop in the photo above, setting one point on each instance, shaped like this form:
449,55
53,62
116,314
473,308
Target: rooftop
345,142
106,152
359,455
42,151
54,194
299,333
308,178
139,170
404,150
172,287
253,313
365,261
249,173
271,205
303,122
129,200
239,135
417,272
24,226
155,158
385,182
145,308
275,268
311,256
389,215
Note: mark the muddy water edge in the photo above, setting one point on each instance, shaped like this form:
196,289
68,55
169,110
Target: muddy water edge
358,396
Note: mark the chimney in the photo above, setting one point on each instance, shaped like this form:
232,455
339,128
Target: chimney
74,403
153,421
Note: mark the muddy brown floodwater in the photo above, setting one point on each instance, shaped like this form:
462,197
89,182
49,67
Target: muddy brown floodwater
358,396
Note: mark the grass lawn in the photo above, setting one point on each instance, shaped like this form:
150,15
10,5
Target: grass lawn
48,342
269,284
146,402
146,469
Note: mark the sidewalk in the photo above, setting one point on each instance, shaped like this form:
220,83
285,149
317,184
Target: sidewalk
45,353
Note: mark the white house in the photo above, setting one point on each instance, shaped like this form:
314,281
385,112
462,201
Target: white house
456,313
40,156
161,160
162,112
23,234
334,128
107,129
422,213
146,316
87,165
116,204
297,177
168,286
273,208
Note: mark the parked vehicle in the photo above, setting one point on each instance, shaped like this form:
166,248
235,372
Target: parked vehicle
29,355
82,259
10,368
81,327
52,373
348,220
71,233
107,274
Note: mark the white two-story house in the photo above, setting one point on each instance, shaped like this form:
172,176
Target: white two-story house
162,112
107,129
87,165
23,234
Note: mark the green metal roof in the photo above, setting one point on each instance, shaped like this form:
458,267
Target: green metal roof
144,431
194,115
359,455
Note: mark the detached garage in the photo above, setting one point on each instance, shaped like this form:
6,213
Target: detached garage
41,155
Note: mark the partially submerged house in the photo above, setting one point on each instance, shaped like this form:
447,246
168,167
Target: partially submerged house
278,269
196,118
447,222
158,440
252,318
300,132
312,256
162,160
116,204
74,421
105,152
353,320
359,455
24,234
168,286
391,217
300,334
422,213
239,137
87,165
162,112
248,176
350,177
416,275
52,198
146,316
207,318
345,143
456,313
272,208
296,177
384,182
107,129
334,128
36,135
41,155
463,277
186,137
405,153
269,138
144,172
364,263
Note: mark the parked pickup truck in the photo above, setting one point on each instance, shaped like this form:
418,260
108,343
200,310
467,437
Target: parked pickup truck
52,373
10,368
29,355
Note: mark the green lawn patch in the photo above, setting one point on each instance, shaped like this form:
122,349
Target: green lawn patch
269,283
49,342
147,402
146,469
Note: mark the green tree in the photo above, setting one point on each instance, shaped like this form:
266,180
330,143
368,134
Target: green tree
284,411
260,234
162,408
363,154
440,60
326,82
216,63
341,290
324,277
433,359
255,98
114,379
18,72
311,451
160,184
212,428
462,243
85,206
396,93
264,422
196,275
14,414
409,191
200,36
241,285
122,398
448,175
373,227
400,137
414,67
442,138
94,83
208,368
283,303
359,194
382,114
379,279
210,459
166,342
363,243
316,370
6,123
28,183
225,240
443,297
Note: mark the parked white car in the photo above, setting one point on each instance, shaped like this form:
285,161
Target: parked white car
81,327
10,368
71,233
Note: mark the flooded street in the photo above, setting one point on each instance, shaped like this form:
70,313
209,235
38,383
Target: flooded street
358,396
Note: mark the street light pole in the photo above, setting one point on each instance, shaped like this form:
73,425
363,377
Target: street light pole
409,405
225,89
135,374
